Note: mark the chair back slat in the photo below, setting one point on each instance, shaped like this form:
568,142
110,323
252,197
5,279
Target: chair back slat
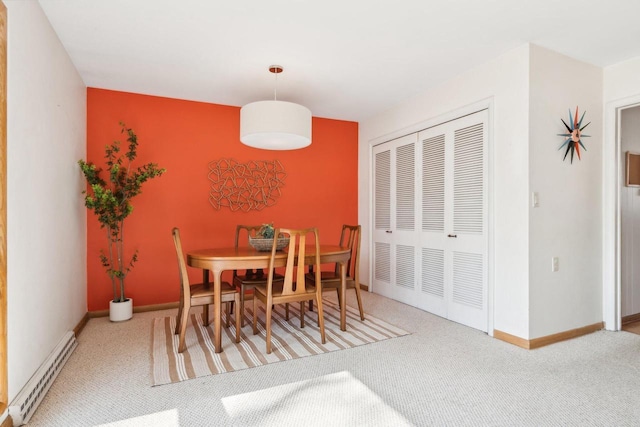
350,237
182,265
249,230
294,275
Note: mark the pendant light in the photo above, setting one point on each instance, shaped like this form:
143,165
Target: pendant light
275,125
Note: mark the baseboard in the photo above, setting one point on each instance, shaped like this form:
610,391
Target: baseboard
137,309
80,326
156,307
364,287
631,318
511,339
566,335
549,339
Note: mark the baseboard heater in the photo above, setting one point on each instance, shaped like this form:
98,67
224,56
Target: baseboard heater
26,402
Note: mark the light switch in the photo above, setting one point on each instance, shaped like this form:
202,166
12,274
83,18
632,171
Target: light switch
535,201
555,264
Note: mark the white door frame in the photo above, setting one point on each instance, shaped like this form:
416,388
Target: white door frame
611,282
484,104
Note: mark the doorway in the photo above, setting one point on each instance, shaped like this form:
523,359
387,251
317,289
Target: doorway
614,175
4,386
629,130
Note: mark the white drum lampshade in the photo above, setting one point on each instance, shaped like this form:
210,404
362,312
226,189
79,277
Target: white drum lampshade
275,125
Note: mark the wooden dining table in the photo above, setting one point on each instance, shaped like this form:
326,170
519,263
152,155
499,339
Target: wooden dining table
217,260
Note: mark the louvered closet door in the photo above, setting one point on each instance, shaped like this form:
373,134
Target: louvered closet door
395,240
430,220
453,264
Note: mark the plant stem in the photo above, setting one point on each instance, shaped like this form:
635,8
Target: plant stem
113,279
120,266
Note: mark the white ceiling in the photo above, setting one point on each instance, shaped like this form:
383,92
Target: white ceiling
344,59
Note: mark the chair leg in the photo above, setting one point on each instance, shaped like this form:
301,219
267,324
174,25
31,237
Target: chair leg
310,305
238,318
320,317
255,315
177,331
357,288
205,315
268,327
302,304
286,310
339,300
227,313
182,345
241,306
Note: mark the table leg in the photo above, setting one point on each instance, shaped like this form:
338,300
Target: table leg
217,310
343,296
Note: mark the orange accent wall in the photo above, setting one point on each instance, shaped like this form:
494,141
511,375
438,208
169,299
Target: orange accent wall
321,187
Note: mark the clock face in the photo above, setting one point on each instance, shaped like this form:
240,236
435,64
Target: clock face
574,135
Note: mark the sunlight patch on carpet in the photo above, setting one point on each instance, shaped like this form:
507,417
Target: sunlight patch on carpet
335,399
167,418
289,341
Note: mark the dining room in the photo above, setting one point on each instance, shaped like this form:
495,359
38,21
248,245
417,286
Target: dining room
56,283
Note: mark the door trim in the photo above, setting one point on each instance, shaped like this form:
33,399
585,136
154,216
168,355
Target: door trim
4,381
483,104
611,256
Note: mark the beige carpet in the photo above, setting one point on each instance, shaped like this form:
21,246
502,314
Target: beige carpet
442,374
289,341
331,400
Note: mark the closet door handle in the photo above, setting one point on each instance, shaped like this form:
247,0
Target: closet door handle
389,231
452,235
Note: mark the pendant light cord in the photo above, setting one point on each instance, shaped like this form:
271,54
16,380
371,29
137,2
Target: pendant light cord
275,88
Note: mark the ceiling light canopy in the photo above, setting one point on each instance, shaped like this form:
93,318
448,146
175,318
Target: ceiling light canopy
275,125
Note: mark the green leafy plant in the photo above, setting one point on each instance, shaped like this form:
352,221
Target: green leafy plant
266,231
110,201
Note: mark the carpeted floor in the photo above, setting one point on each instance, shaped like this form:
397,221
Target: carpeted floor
336,399
442,373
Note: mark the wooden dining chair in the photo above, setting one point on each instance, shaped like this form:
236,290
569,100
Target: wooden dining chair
349,237
246,281
295,287
199,294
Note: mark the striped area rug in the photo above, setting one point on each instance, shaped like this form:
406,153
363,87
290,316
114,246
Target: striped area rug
289,341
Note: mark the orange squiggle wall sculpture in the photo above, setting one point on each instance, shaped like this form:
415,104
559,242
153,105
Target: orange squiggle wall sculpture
245,186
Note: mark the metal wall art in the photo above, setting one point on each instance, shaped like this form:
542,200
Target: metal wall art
245,186
574,135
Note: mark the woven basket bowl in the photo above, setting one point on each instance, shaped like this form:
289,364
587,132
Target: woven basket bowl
263,245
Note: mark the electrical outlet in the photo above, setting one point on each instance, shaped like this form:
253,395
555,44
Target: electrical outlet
555,264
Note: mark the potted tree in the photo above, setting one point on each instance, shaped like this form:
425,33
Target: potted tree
110,201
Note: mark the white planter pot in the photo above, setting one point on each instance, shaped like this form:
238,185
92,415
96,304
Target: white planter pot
120,311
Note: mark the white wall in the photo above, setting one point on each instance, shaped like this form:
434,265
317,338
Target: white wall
504,80
622,80
630,217
46,238
568,221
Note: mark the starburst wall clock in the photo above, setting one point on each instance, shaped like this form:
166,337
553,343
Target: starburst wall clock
574,135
